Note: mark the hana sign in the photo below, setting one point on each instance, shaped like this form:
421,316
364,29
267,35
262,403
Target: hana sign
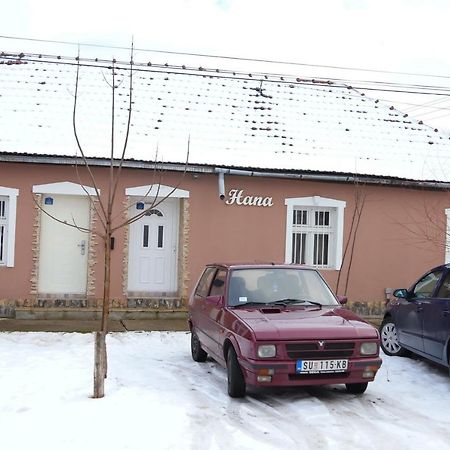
237,197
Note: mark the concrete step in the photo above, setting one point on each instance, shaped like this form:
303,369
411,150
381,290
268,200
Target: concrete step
87,326
96,314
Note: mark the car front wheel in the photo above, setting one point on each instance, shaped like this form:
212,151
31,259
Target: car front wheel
236,381
356,388
389,340
198,354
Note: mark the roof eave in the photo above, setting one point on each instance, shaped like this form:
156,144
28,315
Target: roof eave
332,177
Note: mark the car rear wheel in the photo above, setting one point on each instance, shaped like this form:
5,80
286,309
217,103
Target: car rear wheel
236,381
198,354
356,388
389,340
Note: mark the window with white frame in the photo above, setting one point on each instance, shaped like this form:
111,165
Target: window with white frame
314,231
447,237
3,228
8,202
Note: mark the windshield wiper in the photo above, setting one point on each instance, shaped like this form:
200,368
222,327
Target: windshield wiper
290,301
249,304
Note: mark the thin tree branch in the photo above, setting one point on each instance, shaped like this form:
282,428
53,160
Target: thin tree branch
91,199
157,201
354,242
145,196
91,175
125,145
111,166
64,222
347,245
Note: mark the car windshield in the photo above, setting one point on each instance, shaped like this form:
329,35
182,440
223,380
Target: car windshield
278,286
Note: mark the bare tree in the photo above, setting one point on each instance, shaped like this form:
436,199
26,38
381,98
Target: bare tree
425,224
103,207
349,251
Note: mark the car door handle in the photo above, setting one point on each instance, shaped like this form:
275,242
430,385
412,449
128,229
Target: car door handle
446,312
419,309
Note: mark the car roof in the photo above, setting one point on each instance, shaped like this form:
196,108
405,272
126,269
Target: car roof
440,267
262,265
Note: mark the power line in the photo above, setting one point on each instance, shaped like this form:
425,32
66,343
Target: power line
365,85
353,90
431,104
224,57
417,106
438,117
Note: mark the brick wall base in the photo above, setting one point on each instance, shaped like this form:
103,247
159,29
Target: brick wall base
8,307
367,308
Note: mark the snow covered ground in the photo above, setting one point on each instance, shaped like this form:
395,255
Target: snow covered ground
158,398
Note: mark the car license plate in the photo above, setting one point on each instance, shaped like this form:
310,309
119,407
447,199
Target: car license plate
321,366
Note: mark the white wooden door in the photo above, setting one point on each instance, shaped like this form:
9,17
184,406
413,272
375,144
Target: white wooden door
63,252
153,249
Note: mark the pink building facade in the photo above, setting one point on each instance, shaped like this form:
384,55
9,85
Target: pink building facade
366,238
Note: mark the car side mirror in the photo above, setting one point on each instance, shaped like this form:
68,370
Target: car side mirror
342,299
400,293
216,300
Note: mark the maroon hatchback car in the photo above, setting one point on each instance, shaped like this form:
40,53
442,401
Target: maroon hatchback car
279,325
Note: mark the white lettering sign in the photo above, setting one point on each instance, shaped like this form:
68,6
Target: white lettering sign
236,197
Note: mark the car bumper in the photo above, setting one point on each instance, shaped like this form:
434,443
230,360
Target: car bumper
283,373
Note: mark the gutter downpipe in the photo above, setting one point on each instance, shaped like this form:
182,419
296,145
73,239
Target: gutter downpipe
221,184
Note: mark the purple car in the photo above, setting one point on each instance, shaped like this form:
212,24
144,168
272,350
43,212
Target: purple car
418,318
279,325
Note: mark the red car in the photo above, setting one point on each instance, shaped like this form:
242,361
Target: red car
279,325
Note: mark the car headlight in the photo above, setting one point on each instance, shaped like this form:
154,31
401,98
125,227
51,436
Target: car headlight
267,351
369,348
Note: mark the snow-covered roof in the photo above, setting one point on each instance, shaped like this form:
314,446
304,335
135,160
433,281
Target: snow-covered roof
231,119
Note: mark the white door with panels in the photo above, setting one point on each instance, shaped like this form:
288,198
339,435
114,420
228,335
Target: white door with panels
63,250
153,249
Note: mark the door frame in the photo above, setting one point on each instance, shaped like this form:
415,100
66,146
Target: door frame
63,188
148,193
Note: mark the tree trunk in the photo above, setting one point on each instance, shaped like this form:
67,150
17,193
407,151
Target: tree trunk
99,364
100,357
106,283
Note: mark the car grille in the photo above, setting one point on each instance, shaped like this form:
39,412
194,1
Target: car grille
313,350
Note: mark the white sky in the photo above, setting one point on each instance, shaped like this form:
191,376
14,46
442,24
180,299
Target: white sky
392,35
158,398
